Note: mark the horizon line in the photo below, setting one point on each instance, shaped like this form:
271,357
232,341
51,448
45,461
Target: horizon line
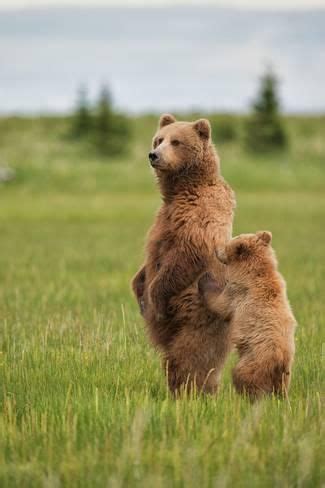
35,113
163,5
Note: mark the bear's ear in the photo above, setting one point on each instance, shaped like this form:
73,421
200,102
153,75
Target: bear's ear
264,236
241,250
203,128
166,119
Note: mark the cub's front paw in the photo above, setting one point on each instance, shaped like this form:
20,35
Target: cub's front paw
207,283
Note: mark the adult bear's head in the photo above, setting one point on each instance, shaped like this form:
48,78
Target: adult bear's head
181,147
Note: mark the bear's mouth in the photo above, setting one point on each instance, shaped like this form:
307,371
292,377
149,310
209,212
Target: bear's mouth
158,165
155,164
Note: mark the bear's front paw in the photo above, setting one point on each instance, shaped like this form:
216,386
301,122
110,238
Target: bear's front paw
142,306
157,301
207,283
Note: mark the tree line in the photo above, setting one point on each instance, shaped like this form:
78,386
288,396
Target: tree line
109,132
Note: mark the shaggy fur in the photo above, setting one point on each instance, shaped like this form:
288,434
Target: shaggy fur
195,218
262,323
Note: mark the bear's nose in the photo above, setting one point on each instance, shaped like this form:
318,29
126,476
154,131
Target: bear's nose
152,157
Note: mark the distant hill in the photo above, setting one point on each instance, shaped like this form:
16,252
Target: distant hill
160,58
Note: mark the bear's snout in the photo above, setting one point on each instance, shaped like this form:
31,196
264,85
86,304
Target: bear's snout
153,157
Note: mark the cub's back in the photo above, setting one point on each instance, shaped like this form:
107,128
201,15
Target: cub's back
262,322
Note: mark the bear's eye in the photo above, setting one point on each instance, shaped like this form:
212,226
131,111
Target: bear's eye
156,142
175,142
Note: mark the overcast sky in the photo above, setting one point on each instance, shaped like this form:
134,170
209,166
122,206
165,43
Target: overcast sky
295,4
160,59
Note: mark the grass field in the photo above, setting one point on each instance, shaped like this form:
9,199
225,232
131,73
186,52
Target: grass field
83,401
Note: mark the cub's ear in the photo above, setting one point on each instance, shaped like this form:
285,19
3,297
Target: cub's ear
264,236
241,250
166,119
222,256
203,128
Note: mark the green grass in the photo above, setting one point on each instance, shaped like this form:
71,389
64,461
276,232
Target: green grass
83,401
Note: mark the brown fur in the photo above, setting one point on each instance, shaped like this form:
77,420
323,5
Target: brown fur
195,218
262,322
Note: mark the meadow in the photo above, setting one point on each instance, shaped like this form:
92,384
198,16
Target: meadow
83,401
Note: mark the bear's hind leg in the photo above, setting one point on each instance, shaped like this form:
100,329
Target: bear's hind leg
257,380
244,382
196,356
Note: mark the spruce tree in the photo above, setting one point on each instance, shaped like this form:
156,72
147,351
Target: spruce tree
111,130
264,130
104,122
82,120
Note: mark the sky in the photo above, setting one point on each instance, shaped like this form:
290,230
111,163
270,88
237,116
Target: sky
160,59
261,4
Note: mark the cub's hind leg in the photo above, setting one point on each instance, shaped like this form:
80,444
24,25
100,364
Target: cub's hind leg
258,379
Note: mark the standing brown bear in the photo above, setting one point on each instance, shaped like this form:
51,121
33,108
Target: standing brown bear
195,218
261,320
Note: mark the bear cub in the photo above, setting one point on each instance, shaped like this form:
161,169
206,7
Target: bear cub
262,323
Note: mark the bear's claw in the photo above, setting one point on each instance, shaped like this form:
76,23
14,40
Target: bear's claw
207,282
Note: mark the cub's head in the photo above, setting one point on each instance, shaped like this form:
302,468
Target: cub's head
248,252
178,145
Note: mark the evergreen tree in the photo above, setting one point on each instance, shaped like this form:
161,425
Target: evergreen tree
111,129
264,130
82,120
103,123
